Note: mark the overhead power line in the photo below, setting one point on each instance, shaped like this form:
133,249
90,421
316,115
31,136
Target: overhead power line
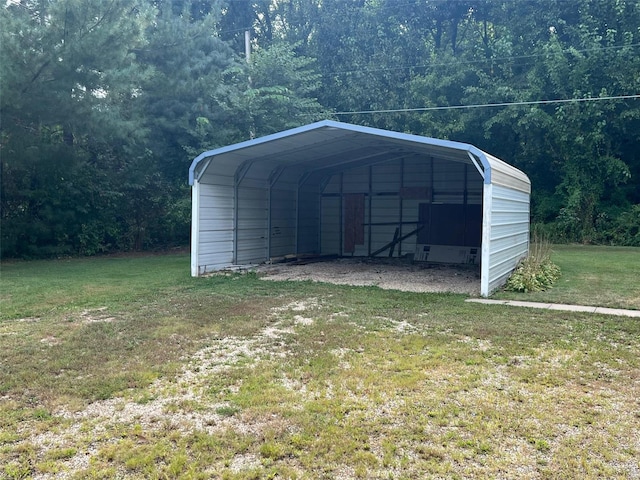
363,69
486,105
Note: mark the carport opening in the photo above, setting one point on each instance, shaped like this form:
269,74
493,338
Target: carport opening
412,223
423,209
350,191
387,273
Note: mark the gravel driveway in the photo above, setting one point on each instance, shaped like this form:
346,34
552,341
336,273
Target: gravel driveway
387,273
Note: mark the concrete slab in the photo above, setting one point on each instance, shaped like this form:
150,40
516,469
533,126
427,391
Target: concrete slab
517,303
618,311
572,308
486,301
559,307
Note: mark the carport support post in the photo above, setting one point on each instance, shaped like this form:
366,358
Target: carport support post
341,216
401,206
195,226
370,215
487,200
268,245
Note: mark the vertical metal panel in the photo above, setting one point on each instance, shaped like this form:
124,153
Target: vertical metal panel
369,197
417,172
448,182
330,231
386,177
283,220
213,217
355,180
308,221
505,234
362,250
354,214
195,227
252,223
384,211
410,213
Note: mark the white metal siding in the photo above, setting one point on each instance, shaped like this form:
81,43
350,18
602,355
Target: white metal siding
410,213
330,228
507,175
385,177
381,184
283,221
448,182
505,234
308,232
384,209
213,227
251,234
248,204
355,181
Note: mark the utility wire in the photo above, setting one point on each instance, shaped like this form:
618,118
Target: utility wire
483,60
486,105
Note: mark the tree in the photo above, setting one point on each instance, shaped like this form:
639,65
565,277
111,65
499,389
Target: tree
68,78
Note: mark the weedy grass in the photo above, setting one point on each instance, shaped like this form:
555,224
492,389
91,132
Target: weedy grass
591,275
537,272
164,376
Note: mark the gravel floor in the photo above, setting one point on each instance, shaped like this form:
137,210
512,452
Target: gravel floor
387,273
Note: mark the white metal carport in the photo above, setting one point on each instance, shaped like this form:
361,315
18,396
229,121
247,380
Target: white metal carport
337,188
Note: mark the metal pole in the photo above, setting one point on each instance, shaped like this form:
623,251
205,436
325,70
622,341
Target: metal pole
247,54
247,45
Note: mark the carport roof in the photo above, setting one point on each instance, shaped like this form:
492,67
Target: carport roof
328,145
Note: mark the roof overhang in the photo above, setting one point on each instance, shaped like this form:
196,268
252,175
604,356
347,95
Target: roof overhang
330,146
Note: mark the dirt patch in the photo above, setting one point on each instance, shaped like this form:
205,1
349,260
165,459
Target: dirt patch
386,273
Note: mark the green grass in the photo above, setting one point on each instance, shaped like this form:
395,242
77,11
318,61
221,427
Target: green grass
37,288
127,367
591,275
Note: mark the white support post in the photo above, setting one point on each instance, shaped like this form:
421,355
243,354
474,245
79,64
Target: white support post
195,228
487,201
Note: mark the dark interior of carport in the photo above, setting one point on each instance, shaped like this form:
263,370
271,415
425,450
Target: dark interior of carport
358,193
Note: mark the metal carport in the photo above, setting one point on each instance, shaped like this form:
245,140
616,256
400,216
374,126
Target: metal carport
337,188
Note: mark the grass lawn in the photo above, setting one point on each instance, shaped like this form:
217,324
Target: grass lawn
591,275
129,368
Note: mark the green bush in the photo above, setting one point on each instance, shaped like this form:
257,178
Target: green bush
536,272
623,229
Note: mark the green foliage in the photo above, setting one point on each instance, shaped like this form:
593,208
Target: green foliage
533,275
623,229
536,272
105,104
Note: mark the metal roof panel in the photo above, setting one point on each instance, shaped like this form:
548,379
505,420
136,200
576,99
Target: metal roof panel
329,144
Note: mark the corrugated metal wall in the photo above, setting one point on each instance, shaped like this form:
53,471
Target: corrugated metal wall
277,216
331,217
308,203
283,204
393,192
213,223
505,238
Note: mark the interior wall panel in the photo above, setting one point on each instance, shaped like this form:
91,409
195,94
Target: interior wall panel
308,232
283,221
330,231
252,224
215,225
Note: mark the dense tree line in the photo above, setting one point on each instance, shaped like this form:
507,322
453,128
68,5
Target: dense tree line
104,104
